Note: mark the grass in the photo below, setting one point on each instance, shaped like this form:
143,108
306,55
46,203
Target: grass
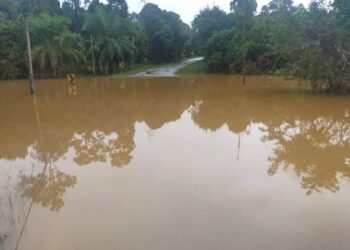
196,68
138,69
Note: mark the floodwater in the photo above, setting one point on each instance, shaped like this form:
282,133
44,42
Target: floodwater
173,164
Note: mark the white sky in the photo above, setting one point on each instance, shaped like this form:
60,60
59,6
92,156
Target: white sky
187,9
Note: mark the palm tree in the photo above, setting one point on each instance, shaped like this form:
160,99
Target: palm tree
55,45
112,36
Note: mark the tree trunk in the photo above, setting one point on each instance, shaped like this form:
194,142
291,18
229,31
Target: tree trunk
92,55
30,64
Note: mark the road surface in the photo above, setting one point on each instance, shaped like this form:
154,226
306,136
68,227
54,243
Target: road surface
168,70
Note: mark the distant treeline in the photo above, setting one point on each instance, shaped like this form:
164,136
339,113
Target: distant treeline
61,36
312,43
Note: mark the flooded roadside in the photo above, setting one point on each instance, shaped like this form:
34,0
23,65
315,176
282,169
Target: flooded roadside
168,70
173,163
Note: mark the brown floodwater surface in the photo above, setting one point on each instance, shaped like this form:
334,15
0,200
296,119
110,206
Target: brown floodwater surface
173,164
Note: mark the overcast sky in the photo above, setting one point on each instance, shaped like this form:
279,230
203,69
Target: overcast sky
187,9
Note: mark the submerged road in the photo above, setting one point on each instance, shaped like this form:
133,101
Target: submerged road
168,70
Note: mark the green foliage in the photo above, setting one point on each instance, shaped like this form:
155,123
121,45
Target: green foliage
112,35
244,8
118,6
217,57
166,32
196,68
209,21
55,46
12,48
313,44
9,8
61,36
325,55
342,7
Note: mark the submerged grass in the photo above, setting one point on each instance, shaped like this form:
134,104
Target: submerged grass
137,69
196,68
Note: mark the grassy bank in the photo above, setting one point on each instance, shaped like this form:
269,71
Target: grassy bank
196,68
138,69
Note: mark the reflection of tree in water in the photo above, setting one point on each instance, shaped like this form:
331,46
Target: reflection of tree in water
13,207
44,187
27,186
47,188
317,150
122,148
100,147
23,186
218,106
99,124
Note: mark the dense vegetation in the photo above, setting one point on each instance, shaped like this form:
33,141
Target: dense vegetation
311,43
61,36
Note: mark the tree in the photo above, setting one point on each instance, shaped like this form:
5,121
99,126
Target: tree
112,35
217,57
244,8
9,8
93,4
324,56
12,48
166,33
209,21
244,13
119,6
33,7
56,45
342,7
293,41
278,6
72,9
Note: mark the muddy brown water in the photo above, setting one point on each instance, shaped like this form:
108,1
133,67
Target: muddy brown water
173,164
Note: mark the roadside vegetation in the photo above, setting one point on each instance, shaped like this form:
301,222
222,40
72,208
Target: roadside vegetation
311,43
196,68
66,37
139,68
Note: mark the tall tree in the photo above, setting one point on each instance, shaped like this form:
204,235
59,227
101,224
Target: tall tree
166,33
119,6
12,48
55,45
244,12
209,21
72,9
112,35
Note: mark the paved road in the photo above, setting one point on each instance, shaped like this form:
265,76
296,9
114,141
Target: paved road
168,70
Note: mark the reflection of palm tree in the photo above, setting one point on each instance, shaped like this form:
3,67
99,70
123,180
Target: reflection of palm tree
317,151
